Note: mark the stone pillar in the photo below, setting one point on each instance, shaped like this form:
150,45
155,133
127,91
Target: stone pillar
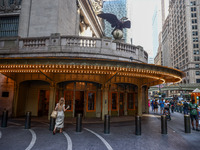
146,104
24,20
98,103
77,21
85,100
15,99
105,101
110,103
144,99
52,96
118,97
74,97
125,103
139,111
85,103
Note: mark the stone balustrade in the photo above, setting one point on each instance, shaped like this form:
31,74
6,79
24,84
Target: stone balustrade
71,46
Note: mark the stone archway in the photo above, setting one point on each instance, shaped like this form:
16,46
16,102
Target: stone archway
33,95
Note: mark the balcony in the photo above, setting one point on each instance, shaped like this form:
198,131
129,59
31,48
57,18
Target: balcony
70,46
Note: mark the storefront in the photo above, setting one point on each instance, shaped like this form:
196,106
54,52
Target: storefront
91,87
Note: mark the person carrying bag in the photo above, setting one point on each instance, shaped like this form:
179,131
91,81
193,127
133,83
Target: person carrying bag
60,109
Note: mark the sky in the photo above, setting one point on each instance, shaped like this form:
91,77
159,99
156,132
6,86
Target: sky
142,23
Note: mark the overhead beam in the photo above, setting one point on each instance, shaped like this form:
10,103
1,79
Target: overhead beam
110,78
9,75
46,75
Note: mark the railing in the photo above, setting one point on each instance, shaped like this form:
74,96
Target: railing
126,47
81,42
105,48
34,42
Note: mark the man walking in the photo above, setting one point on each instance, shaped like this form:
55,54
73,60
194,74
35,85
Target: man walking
193,114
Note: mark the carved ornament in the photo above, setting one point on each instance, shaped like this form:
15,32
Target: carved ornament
7,7
97,5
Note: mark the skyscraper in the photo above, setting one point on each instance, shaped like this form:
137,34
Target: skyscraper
184,38
156,27
158,21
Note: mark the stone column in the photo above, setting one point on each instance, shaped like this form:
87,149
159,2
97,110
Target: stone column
144,99
74,97
24,20
52,96
85,103
105,101
77,21
139,111
15,99
125,103
146,104
98,103
110,103
118,97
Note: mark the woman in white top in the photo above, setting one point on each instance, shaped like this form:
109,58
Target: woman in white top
60,108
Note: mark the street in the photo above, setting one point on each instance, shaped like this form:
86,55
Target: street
122,135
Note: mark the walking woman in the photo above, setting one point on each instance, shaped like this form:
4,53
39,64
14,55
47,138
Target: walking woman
60,107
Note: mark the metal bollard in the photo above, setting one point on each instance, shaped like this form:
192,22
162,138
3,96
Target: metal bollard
28,120
52,124
107,124
4,118
138,125
187,124
163,124
79,123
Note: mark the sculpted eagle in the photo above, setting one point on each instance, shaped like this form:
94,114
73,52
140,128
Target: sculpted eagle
115,23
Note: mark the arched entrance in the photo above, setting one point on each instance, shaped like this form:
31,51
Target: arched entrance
82,97
33,96
122,99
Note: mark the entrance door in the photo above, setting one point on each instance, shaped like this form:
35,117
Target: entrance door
121,104
79,102
43,103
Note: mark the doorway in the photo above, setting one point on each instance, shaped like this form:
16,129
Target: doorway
43,103
79,103
121,104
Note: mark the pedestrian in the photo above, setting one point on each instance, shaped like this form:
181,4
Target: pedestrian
149,103
60,108
172,106
152,105
156,106
194,114
185,107
161,107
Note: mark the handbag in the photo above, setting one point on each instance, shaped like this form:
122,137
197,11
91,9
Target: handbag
54,114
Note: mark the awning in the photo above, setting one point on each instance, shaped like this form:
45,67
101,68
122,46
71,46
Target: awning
196,91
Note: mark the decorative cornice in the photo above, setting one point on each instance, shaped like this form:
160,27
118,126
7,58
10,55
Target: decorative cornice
97,5
6,7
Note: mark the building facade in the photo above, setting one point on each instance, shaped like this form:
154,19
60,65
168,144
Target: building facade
42,61
181,42
184,39
166,57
